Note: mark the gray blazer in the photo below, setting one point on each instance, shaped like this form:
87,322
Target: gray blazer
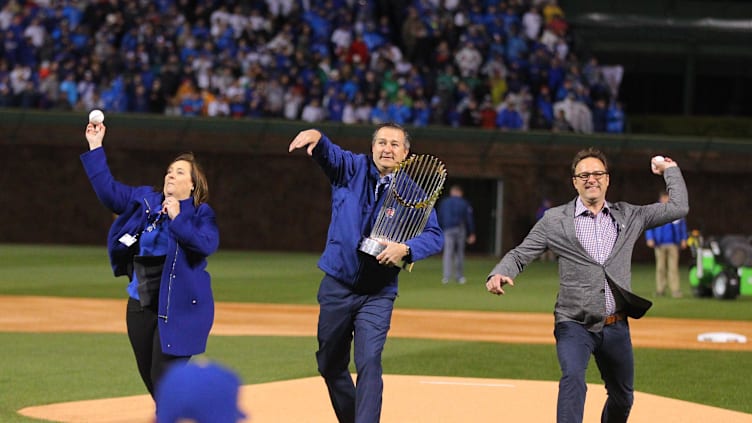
581,292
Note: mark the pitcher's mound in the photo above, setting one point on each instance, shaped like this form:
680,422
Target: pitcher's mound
407,399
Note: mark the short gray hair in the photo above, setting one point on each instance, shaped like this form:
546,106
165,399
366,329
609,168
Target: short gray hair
395,126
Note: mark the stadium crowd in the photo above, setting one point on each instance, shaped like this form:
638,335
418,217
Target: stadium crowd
486,63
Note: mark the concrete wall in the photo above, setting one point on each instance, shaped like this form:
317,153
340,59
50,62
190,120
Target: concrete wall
268,199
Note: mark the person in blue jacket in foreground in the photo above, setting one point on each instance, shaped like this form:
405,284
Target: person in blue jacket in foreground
160,240
356,295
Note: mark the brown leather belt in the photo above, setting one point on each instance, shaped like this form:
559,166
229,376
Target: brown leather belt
613,318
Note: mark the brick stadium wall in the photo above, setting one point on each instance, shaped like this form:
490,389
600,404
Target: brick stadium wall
267,199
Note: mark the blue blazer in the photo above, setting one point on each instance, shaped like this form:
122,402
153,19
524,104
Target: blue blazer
353,178
186,303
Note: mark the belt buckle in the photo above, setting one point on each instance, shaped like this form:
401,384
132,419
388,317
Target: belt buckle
612,318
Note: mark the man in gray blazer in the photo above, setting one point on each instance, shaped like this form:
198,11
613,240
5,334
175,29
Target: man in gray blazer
593,241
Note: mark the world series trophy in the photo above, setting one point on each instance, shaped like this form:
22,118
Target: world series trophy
415,186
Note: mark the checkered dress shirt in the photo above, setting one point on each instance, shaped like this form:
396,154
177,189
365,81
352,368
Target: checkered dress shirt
597,234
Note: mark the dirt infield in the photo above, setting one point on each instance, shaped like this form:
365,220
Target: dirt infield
52,314
430,399
407,399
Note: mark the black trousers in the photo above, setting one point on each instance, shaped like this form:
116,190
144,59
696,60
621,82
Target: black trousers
143,332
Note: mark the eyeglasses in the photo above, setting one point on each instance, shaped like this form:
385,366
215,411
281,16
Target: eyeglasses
584,176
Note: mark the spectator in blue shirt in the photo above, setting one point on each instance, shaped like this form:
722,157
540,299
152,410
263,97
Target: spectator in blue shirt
335,104
191,105
421,113
379,113
666,240
69,89
544,104
509,118
398,112
456,221
615,118
600,116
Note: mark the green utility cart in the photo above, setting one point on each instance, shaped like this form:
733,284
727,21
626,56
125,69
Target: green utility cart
722,266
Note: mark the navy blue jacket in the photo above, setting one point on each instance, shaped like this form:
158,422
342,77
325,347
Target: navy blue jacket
353,178
671,233
186,303
456,211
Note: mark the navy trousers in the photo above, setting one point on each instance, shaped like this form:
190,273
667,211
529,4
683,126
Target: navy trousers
143,332
345,317
612,349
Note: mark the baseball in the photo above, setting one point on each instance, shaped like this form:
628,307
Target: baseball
96,117
654,160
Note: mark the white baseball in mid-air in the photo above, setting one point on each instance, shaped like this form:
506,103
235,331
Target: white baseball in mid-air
96,117
654,160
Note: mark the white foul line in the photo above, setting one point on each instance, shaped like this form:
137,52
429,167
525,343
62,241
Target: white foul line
493,385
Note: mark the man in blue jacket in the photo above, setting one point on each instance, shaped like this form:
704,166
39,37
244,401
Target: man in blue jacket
457,223
666,240
356,295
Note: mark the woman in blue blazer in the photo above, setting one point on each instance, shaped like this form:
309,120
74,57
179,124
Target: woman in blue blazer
160,241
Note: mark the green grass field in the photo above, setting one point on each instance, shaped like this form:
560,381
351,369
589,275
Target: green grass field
47,368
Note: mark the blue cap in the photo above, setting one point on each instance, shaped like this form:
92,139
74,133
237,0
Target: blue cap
204,391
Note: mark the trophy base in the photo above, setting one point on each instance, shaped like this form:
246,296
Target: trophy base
371,246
